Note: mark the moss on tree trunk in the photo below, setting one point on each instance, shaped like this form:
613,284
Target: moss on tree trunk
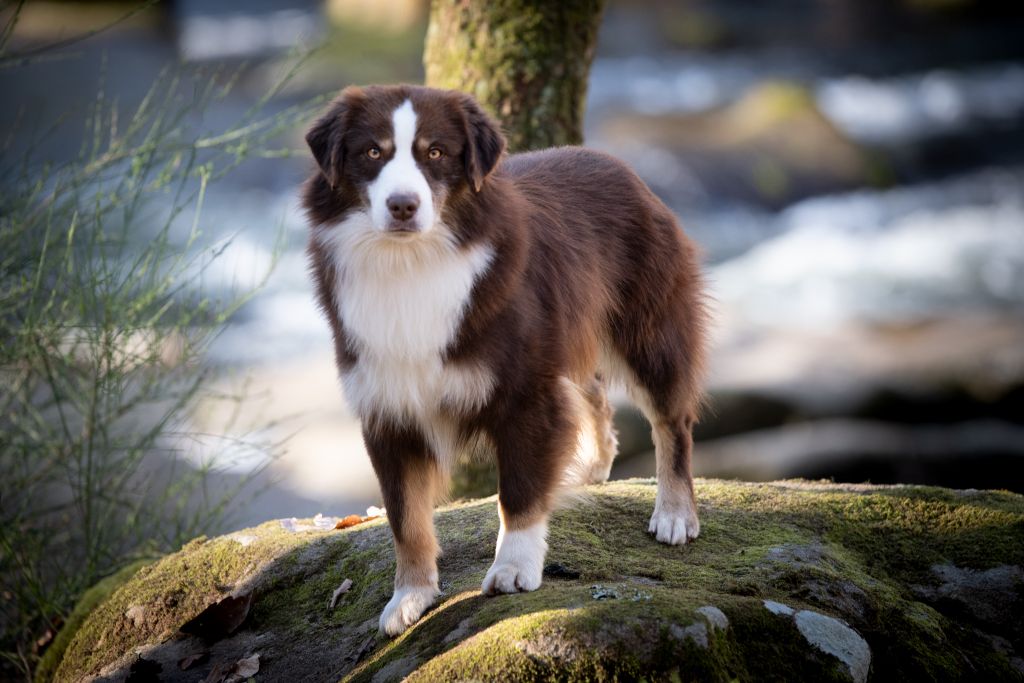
527,61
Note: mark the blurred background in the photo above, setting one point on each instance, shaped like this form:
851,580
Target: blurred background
854,171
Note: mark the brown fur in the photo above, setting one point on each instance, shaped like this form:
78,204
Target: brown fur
591,271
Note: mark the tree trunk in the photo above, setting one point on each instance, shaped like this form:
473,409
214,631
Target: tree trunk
527,61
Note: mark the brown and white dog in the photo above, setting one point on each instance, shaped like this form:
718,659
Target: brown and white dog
474,296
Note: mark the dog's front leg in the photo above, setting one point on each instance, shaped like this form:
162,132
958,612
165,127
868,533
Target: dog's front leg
409,479
533,442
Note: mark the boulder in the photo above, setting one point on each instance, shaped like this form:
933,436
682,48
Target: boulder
789,580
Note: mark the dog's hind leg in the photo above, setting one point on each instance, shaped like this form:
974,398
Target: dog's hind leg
596,439
675,519
659,349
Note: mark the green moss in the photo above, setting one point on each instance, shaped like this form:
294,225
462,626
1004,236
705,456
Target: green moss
86,604
525,61
171,593
855,553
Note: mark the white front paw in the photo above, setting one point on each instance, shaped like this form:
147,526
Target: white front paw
518,561
673,528
405,607
509,577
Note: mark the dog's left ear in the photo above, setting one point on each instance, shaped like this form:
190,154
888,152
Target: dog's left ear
326,137
484,142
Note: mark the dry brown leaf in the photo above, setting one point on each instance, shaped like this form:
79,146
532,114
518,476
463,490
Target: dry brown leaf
44,640
241,670
196,658
221,618
247,667
339,591
351,520
136,614
218,673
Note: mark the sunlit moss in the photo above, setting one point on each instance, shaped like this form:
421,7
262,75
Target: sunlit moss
855,553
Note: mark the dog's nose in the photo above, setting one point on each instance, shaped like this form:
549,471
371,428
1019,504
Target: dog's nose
403,206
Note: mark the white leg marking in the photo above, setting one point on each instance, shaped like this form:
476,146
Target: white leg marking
405,607
674,520
402,174
518,560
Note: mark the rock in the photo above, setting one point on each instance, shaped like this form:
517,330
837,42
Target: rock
698,633
993,597
837,639
778,608
716,617
790,580
831,636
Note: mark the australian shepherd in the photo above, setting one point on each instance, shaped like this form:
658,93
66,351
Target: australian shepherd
477,296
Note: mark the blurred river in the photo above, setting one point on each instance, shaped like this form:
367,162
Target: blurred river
830,294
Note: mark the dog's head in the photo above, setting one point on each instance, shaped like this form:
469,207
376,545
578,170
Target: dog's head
401,152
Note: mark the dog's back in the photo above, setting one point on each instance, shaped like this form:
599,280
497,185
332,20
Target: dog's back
610,268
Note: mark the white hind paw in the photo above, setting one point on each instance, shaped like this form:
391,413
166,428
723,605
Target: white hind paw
673,528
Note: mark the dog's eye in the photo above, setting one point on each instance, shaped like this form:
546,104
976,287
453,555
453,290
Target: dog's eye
435,153
373,153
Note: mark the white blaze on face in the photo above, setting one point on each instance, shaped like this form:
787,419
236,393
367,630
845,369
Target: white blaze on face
401,175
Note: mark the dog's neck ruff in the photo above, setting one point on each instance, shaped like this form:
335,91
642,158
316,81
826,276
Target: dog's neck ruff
402,302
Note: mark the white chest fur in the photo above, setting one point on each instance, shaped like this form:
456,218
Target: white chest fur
401,302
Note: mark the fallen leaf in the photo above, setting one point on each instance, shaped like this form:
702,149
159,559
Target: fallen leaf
136,614
320,523
246,668
218,673
351,520
221,618
323,523
339,591
236,672
193,659
44,640
364,649
294,525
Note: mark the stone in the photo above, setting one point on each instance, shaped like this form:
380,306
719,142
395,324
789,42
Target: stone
755,596
716,617
698,633
837,639
778,608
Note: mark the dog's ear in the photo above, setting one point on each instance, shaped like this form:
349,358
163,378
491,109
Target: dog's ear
484,142
327,136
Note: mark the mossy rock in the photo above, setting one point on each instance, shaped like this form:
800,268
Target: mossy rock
788,581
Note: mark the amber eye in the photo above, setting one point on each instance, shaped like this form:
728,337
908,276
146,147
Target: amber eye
435,153
373,153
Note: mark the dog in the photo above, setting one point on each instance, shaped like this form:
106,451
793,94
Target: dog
478,296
